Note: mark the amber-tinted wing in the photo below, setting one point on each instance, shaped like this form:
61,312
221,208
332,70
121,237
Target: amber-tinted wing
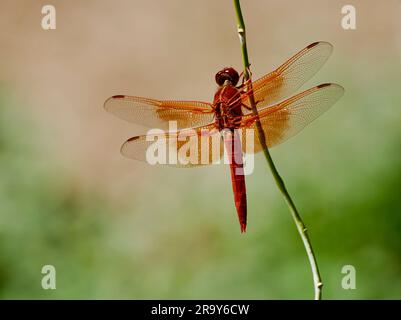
285,80
289,117
153,113
184,149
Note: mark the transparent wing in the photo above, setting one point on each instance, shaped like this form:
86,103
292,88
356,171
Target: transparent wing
289,77
284,120
153,113
185,148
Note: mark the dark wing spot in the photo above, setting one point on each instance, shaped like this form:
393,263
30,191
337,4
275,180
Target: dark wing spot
312,45
119,96
133,138
324,85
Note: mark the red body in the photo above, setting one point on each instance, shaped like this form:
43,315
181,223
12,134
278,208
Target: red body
228,115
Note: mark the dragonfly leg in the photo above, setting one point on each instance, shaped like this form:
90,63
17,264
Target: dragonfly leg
245,106
243,78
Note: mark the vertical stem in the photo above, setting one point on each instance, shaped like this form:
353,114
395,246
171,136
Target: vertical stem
279,181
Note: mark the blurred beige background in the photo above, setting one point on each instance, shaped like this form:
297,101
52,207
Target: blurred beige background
59,79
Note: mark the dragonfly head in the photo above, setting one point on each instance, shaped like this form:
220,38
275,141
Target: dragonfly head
227,74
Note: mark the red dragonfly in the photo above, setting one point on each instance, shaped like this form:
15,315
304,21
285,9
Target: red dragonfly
231,110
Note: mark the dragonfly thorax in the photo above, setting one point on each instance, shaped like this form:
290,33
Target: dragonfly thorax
227,104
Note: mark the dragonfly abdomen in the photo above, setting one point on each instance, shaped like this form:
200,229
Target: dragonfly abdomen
234,153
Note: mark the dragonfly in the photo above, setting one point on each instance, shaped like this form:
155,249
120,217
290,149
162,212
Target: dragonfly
280,115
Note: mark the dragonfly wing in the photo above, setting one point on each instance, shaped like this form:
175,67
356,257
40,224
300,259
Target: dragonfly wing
153,113
284,120
289,77
183,149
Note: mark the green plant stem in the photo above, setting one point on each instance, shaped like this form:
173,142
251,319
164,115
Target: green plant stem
279,181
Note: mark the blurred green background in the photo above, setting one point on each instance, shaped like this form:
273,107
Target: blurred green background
115,228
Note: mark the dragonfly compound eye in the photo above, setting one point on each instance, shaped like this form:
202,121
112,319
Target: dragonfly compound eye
227,74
